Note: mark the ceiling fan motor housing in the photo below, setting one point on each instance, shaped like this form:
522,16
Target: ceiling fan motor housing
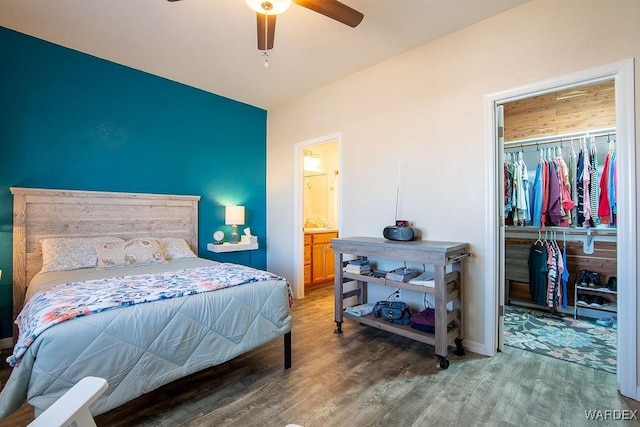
269,7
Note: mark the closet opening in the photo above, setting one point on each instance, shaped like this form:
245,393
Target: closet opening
561,90
559,213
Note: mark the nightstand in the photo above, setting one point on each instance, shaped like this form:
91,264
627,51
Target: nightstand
231,247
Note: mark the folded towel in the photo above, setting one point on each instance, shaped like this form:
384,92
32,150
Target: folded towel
360,310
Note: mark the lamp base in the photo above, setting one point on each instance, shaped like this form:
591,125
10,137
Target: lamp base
234,235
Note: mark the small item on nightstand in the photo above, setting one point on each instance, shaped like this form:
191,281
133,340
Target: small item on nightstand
217,237
247,237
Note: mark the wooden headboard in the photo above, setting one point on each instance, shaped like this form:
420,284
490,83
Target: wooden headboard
41,213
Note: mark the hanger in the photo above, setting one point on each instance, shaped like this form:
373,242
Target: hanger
538,241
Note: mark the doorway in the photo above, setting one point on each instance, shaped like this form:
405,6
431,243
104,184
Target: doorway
622,74
548,312
318,213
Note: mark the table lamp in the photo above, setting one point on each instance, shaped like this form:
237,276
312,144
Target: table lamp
234,216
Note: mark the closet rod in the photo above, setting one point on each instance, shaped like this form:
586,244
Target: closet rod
558,138
558,230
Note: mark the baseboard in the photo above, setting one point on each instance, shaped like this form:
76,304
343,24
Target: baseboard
6,343
474,347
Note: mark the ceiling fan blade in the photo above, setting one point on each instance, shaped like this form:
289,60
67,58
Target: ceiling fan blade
266,30
334,10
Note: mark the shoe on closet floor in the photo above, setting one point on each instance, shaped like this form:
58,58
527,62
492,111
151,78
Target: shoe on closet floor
607,321
583,300
598,302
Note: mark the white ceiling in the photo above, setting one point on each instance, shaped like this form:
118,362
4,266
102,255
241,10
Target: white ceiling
211,44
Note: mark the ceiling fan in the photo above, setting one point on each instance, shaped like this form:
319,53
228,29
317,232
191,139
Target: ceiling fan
267,10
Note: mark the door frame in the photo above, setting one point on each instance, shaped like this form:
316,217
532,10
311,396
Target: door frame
622,73
298,204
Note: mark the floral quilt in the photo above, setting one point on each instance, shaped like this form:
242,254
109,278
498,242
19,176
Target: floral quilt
64,302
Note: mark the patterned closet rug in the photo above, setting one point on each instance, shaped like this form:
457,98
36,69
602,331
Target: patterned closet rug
578,341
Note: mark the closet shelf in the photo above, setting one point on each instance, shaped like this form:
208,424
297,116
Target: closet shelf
611,307
598,290
558,139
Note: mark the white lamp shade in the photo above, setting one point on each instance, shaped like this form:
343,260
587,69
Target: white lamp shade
234,215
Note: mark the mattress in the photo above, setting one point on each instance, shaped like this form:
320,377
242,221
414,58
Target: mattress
141,347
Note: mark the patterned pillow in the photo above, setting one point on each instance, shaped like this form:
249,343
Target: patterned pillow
71,253
130,253
177,248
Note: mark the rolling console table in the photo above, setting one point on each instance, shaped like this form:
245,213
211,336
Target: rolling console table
447,286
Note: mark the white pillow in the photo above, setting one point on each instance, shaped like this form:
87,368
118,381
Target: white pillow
177,248
71,253
130,253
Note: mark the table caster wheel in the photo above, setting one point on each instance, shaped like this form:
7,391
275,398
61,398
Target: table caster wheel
338,329
459,348
443,362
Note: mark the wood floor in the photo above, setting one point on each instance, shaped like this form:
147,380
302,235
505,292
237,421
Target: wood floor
367,377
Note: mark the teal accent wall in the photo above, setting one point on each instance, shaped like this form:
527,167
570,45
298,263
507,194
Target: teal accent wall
73,121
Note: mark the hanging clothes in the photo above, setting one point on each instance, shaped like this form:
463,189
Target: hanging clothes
578,194
558,293
573,174
613,195
565,276
508,192
553,276
553,205
593,180
537,264
521,185
580,189
536,198
545,193
604,208
566,199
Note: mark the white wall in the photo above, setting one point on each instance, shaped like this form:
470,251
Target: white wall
425,109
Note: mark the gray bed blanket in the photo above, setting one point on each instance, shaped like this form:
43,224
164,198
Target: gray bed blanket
142,347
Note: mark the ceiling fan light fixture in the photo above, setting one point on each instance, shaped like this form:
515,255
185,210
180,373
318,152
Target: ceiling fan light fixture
269,7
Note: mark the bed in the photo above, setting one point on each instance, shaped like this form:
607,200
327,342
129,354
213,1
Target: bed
145,319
